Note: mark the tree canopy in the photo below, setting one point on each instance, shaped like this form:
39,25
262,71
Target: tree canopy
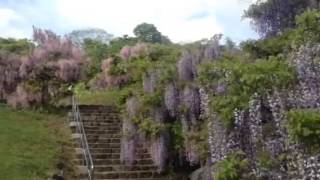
149,33
272,17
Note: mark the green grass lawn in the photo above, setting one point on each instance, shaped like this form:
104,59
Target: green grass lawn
87,97
98,97
30,144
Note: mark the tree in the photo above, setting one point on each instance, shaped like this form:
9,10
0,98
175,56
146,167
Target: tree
53,65
118,43
149,33
96,51
273,17
10,45
9,68
78,37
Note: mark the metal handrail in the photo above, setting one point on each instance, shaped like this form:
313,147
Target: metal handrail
83,139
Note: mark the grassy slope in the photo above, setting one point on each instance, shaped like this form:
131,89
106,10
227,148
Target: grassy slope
98,97
87,97
30,144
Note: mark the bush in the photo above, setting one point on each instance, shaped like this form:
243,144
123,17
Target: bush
148,126
243,80
232,168
304,126
308,28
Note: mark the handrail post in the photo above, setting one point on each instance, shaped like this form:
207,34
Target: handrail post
88,162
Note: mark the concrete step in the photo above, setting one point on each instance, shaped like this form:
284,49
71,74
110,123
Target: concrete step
131,179
104,145
92,121
102,124
127,174
118,162
105,150
102,156
98,132
104,140
100,116
125,168
94,136
87,126
100,113
103,128
110,127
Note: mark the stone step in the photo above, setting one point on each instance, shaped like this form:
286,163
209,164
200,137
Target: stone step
127,179
125,168
101,119
98,132
98,109
97,127
118,162
100,113
103,128
99,116
104,140
95,136
127,174
102,124
111,127
85,121
102,156
104,145
105,150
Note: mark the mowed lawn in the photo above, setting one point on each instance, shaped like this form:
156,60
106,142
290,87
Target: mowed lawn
30,144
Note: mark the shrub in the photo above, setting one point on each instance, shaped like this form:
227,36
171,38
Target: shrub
308,28
232,168
148,126
177,139
243,80
304,126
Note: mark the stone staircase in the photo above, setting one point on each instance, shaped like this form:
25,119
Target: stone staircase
103,129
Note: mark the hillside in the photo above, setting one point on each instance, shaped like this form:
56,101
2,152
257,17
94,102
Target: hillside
31,143
210,109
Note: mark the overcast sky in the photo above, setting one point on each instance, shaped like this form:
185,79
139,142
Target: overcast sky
181,20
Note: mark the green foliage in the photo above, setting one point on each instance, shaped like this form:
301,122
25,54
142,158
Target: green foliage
168,53
124,94
152,100
96,51
234,167
304,126
265,48
265,161
199,139
148,126
177,140
308,28
243,80
161,59
117,44
21,46
86,96
273,17
149,33
117,68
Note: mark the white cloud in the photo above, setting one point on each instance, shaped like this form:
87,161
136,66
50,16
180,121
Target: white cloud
181,20
8,16
121,16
